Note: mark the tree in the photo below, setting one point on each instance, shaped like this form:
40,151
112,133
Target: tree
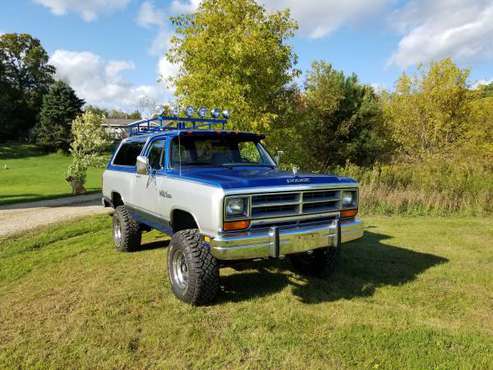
478,139
25,76
233,54
429,113
60,107
341,120
114,113
87,148
486,90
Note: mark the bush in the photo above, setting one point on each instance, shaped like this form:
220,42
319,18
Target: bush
87,148
430,187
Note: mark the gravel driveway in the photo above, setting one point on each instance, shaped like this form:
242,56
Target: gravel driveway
21,217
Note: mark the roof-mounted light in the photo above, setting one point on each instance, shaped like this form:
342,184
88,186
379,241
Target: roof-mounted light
175,111
189,111
215,113
202,112
226,114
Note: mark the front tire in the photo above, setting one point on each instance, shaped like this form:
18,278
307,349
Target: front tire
193,271
126,232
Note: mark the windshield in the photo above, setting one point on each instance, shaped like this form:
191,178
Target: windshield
218,151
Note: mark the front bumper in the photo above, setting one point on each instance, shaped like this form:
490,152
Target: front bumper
279,241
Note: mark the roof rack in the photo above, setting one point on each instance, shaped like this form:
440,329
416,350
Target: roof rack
168,123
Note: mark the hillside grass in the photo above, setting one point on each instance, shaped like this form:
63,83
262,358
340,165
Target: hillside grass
414,293
29,174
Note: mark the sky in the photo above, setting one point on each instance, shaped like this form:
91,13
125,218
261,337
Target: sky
112,51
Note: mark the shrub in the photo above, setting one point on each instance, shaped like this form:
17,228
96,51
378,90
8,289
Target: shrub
87,148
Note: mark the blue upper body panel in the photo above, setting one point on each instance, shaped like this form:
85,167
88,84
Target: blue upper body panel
248,177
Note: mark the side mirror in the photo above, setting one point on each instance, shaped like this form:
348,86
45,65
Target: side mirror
142,165
278,157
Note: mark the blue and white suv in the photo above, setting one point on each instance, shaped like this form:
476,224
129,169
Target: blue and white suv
221,198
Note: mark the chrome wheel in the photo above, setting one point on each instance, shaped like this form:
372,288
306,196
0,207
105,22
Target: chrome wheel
180,270
117,231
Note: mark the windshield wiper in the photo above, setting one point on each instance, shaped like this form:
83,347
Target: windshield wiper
197,164
239,164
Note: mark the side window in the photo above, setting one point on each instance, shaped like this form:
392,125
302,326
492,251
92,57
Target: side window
156,154
128,153
249,152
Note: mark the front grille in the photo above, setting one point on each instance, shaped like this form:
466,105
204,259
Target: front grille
295,203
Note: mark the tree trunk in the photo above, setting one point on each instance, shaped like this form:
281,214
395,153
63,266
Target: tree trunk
77,185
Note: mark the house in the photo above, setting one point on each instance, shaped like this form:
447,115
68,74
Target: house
117,127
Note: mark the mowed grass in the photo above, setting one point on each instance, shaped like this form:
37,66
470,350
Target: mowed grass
32,175
414,293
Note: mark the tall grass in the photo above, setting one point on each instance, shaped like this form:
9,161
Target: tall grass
431,187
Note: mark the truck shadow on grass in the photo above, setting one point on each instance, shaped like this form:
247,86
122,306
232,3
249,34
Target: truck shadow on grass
364,266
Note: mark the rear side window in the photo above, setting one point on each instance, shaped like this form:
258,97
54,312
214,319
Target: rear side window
128,153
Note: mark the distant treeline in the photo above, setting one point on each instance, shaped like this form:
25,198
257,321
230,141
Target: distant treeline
33,105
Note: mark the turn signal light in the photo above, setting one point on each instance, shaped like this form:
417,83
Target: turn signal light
236,225
348,213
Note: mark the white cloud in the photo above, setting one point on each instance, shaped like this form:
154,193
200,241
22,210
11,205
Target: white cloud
87,9
378,87
482,82
102,82
149,15
462,29
184,7
319,18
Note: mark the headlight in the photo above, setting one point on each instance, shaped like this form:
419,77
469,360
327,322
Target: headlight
236,207
349,199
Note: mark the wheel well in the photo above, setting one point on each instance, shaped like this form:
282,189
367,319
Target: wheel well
116,199
181,220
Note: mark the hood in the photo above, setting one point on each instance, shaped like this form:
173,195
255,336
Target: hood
246,177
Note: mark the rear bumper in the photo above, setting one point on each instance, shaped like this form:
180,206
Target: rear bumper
278,241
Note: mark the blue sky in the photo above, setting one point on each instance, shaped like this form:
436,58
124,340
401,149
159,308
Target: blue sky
111,51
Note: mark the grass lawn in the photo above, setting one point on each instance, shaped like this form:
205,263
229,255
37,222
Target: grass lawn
415,293
33,175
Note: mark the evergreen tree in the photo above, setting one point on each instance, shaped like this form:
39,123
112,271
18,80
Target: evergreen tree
60,107
342,120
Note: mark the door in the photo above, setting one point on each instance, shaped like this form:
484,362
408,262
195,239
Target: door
146,192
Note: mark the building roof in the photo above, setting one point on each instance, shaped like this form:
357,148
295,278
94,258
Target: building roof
117,122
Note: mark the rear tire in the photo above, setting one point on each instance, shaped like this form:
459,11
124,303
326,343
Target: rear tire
126,231
193,271
319,262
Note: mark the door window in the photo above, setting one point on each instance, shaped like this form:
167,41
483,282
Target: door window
156,154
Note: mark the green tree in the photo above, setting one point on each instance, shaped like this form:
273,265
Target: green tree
486,90
342,120
114,113
429,113
234,54
89,143
60,107
25,76
478,140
